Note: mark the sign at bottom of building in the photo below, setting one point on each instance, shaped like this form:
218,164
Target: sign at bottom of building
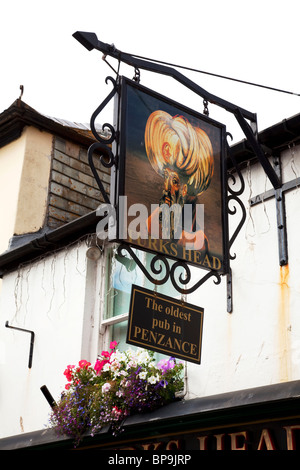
165,325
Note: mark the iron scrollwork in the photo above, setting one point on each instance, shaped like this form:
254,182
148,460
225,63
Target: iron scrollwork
161,269
233,195
102,147
185,280
160,265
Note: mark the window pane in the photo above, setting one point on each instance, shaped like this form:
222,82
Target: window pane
118,333
121,274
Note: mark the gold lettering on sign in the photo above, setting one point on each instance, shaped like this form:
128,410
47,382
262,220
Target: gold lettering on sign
173,445
266,441
202,442
290,436
239,440
151,446
235,438
220,441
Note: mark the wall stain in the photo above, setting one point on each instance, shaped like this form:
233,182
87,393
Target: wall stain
284,324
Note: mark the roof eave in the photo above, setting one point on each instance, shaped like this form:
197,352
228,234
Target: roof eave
273,140
19,114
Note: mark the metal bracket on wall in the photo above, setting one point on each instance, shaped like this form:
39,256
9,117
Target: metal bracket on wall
162,267
90,41
31,341
234,192
229,291
279,195
281,218
102,146
48,396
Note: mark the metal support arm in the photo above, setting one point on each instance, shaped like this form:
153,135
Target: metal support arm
90,42
248,123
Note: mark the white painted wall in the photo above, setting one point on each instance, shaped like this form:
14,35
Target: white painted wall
259,342
24,176
60,299
11,164
33,190
50,297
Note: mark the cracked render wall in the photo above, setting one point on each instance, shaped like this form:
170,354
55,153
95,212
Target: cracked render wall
60,297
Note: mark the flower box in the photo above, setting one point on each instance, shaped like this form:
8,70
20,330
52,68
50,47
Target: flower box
118,385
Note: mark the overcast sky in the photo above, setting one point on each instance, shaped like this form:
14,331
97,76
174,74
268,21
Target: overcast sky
256,41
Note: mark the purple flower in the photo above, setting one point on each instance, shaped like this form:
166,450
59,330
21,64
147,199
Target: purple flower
166,364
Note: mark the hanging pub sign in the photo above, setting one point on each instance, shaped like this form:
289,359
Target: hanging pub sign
165,325
171,191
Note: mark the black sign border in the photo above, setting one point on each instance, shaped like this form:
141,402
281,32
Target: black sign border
118,183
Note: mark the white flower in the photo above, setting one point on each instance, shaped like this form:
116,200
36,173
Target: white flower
106,367
106,387
115,366
143,357
153,379
119,356
143,375
130,364
130,353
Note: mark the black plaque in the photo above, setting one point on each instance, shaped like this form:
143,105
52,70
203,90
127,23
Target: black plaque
164,324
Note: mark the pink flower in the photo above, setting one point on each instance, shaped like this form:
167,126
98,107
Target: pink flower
84,364
113,344
105,354
99,365
116,411
69,372
166,364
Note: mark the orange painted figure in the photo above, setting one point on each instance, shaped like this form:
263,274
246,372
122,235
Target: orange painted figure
182,155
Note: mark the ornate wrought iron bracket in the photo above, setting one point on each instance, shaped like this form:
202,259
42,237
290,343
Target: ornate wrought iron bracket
102,147
90,41
233,199
160,262
162,269
233,196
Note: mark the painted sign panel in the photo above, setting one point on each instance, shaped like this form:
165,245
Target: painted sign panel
165,325
171,187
